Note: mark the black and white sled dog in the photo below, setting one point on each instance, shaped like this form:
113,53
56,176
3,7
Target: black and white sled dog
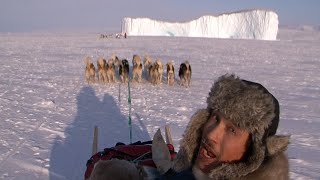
124,71
185,74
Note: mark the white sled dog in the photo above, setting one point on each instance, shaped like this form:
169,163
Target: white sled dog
185,74
160,70
137,68
90,71
147,62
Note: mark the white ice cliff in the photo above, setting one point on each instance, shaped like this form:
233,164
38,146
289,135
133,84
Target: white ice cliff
249,24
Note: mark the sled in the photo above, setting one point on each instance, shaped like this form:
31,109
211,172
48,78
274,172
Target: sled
153,158
95,138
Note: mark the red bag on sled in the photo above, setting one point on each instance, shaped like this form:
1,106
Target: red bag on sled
139,152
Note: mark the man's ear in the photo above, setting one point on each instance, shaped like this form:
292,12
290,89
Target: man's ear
160,153
276,144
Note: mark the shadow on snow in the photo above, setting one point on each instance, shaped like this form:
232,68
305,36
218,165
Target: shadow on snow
69,155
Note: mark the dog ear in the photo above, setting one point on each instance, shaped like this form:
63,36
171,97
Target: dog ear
160,153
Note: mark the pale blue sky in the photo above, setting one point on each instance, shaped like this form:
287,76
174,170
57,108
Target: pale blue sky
53,15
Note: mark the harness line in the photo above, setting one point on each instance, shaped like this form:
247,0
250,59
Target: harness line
129,101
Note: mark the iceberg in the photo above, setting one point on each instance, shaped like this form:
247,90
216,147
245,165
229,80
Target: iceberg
248,24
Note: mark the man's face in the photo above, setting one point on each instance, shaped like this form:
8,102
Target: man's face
221,142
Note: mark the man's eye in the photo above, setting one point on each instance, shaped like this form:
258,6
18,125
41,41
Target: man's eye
213,119
231,130
218,117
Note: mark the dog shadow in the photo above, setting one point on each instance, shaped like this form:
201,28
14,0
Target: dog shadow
69,154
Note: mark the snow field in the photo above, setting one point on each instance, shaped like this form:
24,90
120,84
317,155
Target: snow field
48,111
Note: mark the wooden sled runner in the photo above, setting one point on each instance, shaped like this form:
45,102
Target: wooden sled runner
139,160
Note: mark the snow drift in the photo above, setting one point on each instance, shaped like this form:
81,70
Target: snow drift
250,24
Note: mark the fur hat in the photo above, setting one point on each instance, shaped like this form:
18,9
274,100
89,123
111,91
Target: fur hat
247,105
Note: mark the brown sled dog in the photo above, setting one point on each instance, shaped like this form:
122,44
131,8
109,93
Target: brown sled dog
90,71
110,71
102,75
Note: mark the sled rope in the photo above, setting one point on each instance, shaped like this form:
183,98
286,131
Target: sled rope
129,101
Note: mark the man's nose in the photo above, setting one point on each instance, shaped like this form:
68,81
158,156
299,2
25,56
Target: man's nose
216,134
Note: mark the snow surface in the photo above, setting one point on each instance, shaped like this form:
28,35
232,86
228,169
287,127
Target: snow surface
250,24
48,112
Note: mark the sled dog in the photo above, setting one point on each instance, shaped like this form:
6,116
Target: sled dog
90,71
110,71
124,71
102,77
137,68
170,73
147,62
185,74
160,70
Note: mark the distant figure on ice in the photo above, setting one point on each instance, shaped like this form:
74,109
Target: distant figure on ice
125,35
